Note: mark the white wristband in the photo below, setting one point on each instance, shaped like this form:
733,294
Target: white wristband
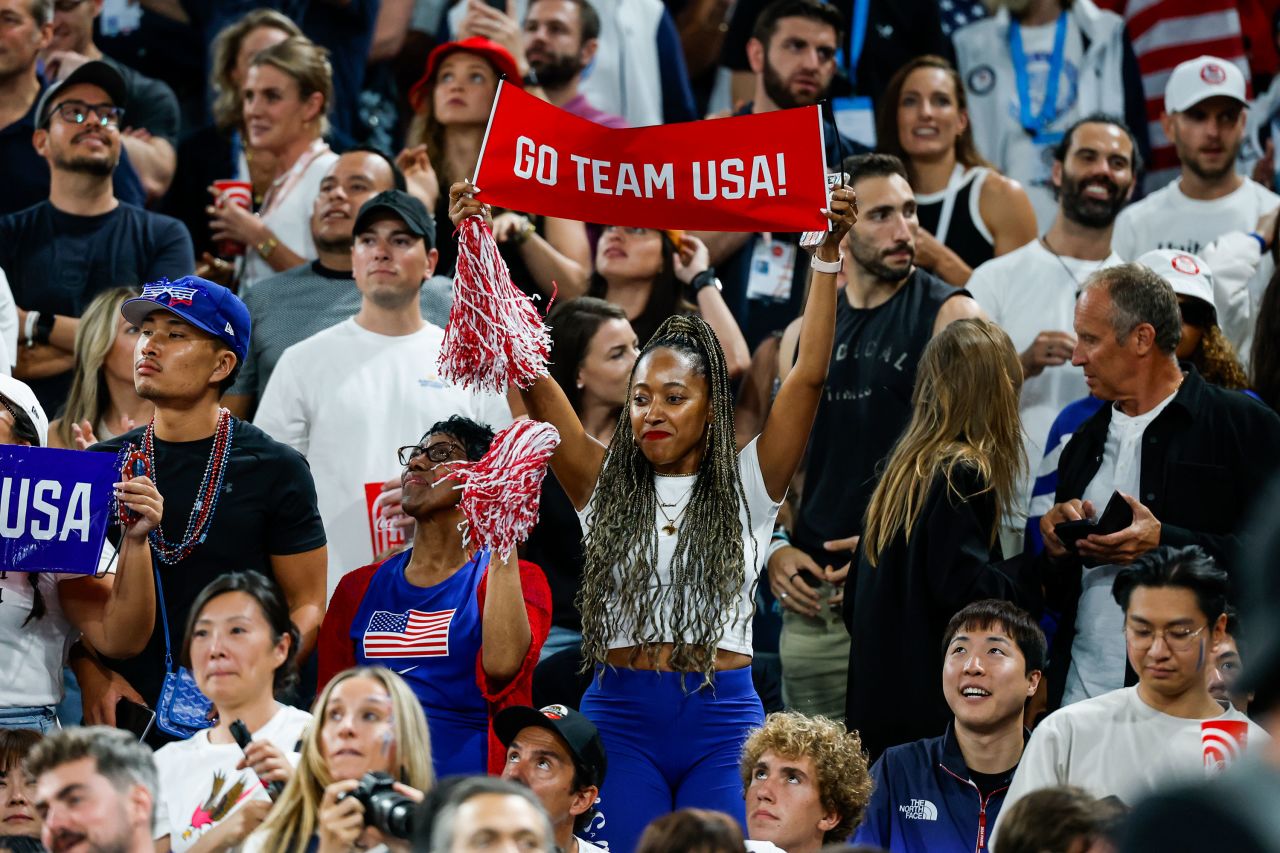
819,265
29,331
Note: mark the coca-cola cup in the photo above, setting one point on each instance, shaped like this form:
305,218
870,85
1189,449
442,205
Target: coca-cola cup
1223,741
233,192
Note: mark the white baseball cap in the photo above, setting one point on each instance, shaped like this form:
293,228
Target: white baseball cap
1203,77
22,398
1188,274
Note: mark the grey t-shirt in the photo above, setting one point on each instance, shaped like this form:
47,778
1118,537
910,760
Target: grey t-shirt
294,305
152,104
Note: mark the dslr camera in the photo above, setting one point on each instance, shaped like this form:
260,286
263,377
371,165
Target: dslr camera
385,809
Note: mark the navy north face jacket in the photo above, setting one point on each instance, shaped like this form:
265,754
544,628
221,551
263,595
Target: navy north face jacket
924,801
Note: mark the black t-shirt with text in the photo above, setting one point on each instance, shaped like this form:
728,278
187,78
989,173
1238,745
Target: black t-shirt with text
267,506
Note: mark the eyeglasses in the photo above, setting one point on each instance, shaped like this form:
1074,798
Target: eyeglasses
441,451
77,112
1178,639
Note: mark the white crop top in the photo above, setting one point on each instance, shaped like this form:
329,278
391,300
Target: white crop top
675,493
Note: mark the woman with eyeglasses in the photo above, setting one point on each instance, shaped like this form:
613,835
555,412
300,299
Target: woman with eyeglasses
653,275
464,628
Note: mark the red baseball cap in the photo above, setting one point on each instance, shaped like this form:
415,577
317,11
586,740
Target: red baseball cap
496,55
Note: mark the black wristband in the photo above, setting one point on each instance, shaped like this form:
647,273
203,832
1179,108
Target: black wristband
44,328
706,278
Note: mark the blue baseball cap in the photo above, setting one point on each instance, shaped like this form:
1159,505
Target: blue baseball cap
205,305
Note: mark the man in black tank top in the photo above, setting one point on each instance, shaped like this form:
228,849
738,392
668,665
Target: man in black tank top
889,311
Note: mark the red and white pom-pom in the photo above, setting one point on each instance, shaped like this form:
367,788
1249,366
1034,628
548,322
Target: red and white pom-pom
495,337
500,492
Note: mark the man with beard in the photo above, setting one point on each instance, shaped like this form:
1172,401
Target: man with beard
154,108
26,27
560,40
793,57
96,788
890,310
1033,69
1031,292
1204,116
296,304
62,252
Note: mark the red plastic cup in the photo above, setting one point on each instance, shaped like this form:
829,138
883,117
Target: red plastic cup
233,192
1224,742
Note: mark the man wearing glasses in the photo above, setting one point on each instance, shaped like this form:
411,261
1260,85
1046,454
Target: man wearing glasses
463,627
1165,729
82,239
348,396
153,106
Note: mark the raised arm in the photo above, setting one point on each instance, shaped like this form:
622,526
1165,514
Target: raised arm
579,458
505,630
786,432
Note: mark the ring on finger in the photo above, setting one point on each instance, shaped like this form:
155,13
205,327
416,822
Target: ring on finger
784,596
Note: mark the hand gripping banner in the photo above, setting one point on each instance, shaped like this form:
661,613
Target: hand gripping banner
55,506
746,173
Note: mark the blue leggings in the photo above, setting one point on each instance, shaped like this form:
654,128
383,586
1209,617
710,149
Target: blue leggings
666,749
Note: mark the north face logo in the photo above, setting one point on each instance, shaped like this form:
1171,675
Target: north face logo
919,810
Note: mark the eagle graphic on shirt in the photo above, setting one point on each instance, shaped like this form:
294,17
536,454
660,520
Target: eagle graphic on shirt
216,807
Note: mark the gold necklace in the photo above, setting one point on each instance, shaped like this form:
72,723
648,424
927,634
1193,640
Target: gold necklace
670,528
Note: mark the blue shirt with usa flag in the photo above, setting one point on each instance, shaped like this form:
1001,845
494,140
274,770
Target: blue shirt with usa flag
431,637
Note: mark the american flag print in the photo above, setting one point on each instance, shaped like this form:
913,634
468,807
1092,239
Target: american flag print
408,635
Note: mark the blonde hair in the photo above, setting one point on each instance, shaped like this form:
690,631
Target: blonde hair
308,64
965,412
844,782
95,336
227,103
292,820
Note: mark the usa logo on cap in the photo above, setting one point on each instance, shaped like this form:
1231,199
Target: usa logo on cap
1185,265
555,712
172,294
1213,74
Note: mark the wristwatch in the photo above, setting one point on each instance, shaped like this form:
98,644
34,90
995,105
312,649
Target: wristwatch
706,278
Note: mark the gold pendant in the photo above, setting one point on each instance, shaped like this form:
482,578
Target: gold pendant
669,529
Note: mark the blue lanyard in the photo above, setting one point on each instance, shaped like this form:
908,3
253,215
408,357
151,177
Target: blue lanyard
858,36
1049,109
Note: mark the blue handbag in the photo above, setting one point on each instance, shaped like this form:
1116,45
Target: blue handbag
182,710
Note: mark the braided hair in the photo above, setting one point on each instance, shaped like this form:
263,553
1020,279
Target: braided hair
620,570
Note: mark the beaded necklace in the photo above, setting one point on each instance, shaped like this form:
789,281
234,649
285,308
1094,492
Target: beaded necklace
206,497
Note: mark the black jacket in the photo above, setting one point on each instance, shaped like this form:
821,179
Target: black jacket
1204,459
898,611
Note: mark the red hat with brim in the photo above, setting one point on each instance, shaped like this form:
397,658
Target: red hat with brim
496,55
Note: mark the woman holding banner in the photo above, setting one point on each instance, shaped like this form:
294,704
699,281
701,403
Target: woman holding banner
969,212
452,101
677,524
41,613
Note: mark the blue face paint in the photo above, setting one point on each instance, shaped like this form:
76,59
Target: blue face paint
1200,659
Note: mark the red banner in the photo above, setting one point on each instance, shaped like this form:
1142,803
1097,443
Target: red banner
746,173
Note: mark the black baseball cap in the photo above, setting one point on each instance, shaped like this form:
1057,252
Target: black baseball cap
577,731
403,206
96,72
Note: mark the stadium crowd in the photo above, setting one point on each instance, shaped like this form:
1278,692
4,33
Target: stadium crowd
952,529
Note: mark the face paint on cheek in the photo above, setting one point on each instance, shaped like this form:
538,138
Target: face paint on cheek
389,736
1200,658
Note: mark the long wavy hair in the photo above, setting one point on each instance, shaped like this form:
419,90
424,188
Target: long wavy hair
1216,360
292,820
621,548
95,336
887,116
965,412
